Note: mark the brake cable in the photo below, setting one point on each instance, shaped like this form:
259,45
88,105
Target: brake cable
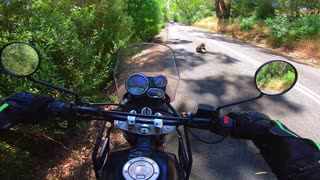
204,141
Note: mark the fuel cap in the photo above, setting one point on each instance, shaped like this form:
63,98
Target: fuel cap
141,168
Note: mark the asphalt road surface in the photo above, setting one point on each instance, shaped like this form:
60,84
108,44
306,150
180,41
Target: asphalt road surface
225,74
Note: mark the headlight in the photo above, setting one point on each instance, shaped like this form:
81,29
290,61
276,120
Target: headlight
137,84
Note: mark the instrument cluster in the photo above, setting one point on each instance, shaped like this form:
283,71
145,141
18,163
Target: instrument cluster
140,85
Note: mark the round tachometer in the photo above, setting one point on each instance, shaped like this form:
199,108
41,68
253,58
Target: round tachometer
160,81
137,84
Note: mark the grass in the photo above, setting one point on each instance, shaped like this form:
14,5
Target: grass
274,86
208,23
306,51
310,47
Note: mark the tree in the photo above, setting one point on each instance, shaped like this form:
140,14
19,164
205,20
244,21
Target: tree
190,10
294,8
223,9
184,7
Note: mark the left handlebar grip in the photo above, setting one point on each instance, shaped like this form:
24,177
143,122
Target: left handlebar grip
59,108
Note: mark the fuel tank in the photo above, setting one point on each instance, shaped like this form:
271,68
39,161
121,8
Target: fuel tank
126,165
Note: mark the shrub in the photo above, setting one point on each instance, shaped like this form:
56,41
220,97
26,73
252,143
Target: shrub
287,30
247,23
77,41
146,17
307,26
279,29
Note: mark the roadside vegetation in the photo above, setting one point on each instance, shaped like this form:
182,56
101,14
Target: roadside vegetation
288,26
78,41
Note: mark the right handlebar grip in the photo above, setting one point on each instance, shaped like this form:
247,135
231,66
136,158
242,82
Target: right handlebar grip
223,126
59,108
227,122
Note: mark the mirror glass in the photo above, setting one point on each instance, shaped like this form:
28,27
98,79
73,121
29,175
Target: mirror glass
276,77
19,59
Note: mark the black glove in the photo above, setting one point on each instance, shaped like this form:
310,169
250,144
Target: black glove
250,124
288,155
24,108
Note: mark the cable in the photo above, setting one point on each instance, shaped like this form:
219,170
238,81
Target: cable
207,142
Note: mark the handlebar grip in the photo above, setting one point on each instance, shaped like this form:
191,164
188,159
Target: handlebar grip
223,126
59,108
227,122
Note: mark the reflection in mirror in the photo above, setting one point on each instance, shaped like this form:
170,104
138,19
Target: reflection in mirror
276,77
20,59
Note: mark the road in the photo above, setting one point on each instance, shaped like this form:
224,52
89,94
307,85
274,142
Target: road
225,74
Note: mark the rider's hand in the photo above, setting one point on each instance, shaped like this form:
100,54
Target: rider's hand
250,124
288,155
24,108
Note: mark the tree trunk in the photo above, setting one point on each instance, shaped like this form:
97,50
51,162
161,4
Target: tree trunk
223,9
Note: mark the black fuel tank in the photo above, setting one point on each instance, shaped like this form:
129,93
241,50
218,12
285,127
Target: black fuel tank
167,162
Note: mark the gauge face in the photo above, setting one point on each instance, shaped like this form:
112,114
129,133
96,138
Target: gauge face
160,81
156,93
137,84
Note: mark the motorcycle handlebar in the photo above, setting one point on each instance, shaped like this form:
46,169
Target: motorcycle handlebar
64,109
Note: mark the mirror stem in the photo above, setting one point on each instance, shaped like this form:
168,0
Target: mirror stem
239,102
76,95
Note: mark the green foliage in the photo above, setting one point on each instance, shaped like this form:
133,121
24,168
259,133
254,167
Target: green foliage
261,9
307,26
243,8
298,8
247,23
279,28
146,16
77,40
289,78
287,30
203,11
189,11
265,9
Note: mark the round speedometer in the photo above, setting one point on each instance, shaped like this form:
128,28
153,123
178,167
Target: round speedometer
137,84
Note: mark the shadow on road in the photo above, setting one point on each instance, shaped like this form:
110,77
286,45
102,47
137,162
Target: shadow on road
187,60
178,41
232,158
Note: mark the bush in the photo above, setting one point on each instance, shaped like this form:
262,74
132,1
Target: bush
146,16
307,26
247,23
286,30
279,29
265,9
77,41
202,12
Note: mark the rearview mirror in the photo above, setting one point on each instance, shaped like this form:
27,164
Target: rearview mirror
275,77
19,59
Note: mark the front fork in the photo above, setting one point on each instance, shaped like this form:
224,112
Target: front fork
99,157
